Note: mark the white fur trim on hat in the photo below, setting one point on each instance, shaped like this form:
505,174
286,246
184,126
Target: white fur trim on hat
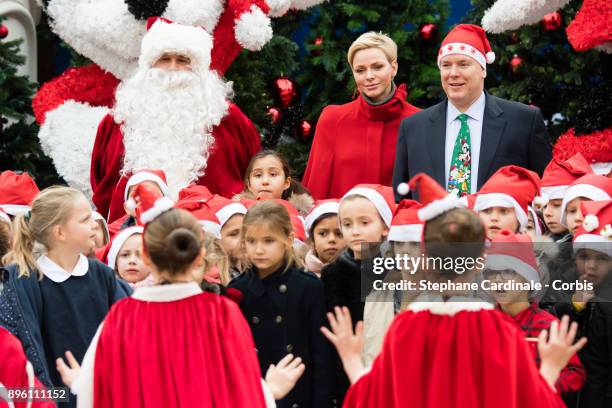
161,206
98,217
375,198
536,221
278,8
540,202
211,227
484,201
253,29
500,262
601,168
581,190
553,193
15,209
594,242
141,176
4,217
190,41
227,212
465,49
405,233
438,207
118,242
330,207
455,304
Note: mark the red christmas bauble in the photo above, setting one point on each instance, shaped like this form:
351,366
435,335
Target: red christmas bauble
552,21
515,63
285,89
306,127
274,115
318,41
427,31
4,32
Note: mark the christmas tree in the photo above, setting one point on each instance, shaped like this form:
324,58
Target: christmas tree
19,146
536,65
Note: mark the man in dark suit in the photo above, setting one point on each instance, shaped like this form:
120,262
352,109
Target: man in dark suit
463,140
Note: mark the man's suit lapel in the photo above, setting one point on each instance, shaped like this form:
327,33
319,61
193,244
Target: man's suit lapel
493,127
436,141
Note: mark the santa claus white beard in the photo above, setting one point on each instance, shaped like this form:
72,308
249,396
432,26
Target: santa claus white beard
166,119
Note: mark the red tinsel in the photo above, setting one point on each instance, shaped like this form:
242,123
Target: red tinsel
596,147
84,84
592,26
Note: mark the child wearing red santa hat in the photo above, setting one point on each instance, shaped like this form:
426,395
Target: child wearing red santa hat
17,191
591,187
472,354
324,235
125,257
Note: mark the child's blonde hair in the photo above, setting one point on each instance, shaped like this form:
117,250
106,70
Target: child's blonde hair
215,255
51,207
373,39
277,217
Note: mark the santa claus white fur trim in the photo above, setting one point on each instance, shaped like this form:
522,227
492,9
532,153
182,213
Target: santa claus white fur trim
594,242
553,193
330,207
376,199
161,206
211,227
499,262
204,13
405,233
278,8
146,176
602,168
507,15
15,209
468,50
227,212
484,201
167,293
68,136
581,190
253,29
4,217
438,207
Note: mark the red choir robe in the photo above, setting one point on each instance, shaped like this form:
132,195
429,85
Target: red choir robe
355,143
440,356
165,347
236,141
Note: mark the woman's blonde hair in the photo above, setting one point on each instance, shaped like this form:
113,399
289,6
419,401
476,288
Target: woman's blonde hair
51,207
372,39
277,218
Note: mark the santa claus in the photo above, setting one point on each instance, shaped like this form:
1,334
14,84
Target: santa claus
164,118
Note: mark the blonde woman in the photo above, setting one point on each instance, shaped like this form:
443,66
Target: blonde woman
355,143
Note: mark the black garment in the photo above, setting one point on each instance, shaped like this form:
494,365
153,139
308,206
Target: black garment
562,268
129,222
285,311
512,133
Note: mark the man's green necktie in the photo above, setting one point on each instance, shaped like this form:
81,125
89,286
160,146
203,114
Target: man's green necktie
460,175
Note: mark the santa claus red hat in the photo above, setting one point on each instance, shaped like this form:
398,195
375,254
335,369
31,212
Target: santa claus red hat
432,196
509,187
165,36
151,204
118,241
380,196
558,176
321,208
156,176
591,186
17,191
596,227
406,225
508,250
470,40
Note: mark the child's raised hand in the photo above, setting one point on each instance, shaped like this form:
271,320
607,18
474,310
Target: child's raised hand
281,378
69,374
558,347
348,343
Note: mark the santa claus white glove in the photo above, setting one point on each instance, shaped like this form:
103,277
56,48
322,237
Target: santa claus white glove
281,378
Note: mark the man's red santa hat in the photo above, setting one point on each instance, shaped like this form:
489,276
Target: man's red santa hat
380,196
321,208
591,186
117,243
156,176
509,187
515,252
432,196
558,176
151,204
17,191
596,229
470,40
406,225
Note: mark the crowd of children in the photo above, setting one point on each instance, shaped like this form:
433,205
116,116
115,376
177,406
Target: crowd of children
193,298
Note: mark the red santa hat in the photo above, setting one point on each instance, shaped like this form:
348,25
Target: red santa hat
596,148
406,225
321,208
202,210
510,187
4,216
224,208
118,241
195,192
17,191
165,36
590,186
596,227
432,196
591,27
558,176
151,204
156,176
380,196
297,221
508,250
468,201
470,40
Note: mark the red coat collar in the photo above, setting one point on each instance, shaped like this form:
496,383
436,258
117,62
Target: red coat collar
393,109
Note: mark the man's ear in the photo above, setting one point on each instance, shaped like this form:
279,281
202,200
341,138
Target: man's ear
484,73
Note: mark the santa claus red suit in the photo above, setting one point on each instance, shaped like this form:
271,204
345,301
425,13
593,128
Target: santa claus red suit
164,119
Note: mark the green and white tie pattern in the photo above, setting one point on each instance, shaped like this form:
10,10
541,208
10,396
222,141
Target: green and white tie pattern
460,174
